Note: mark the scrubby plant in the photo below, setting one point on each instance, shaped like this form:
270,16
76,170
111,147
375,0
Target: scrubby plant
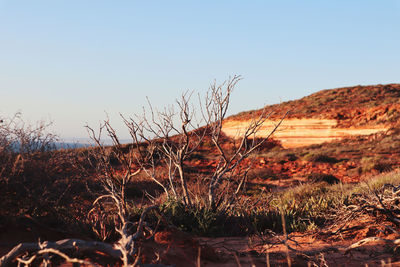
35,178
199,220
309,205
322,177
291,156
375,163
316,157
262,173
21,142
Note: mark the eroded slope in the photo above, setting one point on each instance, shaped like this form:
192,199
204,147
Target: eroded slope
327,115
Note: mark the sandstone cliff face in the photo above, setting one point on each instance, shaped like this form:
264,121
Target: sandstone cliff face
327,115
301,132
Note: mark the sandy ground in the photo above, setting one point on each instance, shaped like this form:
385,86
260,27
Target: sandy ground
324,247
307,250
300,132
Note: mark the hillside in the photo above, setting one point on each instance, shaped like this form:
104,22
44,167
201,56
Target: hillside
346,132
328,115
297,199
350,106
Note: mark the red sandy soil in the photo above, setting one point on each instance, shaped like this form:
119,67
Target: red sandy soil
327,246
180,249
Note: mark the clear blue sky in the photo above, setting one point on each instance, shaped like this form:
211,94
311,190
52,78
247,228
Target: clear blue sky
72,60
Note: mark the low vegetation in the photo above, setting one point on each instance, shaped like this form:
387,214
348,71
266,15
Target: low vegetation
109,203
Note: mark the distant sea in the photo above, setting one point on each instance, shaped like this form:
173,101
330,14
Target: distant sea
70,143
73,143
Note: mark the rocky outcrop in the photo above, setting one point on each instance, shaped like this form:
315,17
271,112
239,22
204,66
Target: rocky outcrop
327,115
302,132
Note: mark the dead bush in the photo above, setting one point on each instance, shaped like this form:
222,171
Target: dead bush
322,177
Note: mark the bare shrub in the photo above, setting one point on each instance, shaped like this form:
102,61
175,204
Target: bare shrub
29,164
168,139
20,141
